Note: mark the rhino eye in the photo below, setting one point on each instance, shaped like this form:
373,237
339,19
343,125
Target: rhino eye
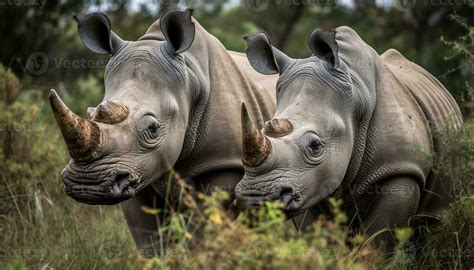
316,146
312,148
313,144
148,131
153,127
152,130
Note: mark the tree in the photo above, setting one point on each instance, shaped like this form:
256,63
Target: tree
31,26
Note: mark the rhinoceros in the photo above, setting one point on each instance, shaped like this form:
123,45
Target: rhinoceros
172,101
349,124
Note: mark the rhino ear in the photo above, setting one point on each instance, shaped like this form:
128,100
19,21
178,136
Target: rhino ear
178,29
323,44
263,57
96,34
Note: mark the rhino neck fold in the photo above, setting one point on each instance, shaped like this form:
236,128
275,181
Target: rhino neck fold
365,81
215,116
198,67
358,176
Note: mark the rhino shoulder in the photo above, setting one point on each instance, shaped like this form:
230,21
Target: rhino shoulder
238,56
344,29
399,64
392,54
394,57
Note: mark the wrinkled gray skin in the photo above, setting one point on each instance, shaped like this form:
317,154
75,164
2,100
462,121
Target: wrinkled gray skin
183,92
363,129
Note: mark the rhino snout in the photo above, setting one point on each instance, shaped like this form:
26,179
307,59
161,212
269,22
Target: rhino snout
97,186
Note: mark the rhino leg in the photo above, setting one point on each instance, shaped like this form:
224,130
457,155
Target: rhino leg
224,180
142,226
390,204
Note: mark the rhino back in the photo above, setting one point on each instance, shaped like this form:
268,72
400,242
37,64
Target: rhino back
438,105
444,120
399,138
413,115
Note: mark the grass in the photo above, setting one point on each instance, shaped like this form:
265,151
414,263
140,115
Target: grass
41,228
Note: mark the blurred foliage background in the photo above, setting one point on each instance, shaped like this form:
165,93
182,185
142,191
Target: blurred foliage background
40,49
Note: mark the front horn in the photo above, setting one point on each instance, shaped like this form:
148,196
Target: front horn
256,147
82,136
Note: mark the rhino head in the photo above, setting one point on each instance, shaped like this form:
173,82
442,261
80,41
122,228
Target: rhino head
137,132
302,155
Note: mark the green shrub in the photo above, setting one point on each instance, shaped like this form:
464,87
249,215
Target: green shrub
260,239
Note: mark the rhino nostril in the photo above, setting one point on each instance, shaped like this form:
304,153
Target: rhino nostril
121,182
286,196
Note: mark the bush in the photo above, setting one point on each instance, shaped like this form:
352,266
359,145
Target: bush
259,239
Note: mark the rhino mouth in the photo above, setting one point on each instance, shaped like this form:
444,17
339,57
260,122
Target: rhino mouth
91,185
252,198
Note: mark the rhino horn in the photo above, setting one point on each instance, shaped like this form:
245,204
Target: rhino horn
110,112
278,127
82,136
256,146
